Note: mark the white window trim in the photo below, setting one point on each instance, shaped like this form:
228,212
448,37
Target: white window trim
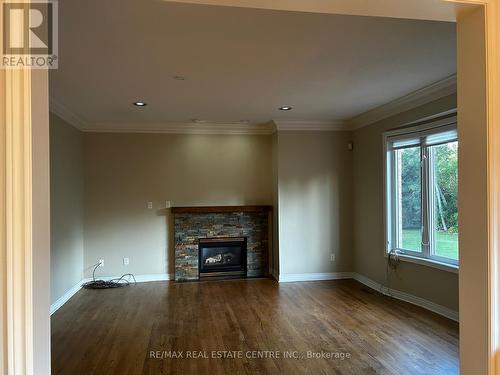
389,238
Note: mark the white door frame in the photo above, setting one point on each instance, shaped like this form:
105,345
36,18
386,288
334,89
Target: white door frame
24,221
24,195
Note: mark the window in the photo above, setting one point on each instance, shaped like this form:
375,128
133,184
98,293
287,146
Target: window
422,191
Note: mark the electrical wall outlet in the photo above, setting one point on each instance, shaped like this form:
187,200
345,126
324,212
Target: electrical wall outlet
101,262
126,261
150,205
168,204
332,257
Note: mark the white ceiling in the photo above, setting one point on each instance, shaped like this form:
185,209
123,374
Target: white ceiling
239,63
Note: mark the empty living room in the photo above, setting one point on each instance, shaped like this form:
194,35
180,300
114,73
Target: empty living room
249,187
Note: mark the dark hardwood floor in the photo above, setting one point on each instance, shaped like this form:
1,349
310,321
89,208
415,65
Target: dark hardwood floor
121,331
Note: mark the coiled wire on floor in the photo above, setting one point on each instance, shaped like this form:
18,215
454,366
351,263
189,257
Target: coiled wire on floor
119,282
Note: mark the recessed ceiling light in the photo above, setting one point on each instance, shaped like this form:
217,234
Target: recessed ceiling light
140,104
286,108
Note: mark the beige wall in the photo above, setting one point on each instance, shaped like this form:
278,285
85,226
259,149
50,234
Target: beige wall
66,190
432,284
275,233
125,171
327,199
314,194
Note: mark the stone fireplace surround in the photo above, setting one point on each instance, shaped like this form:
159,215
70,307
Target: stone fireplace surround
193,223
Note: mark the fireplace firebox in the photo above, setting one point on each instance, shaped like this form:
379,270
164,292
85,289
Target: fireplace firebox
222,257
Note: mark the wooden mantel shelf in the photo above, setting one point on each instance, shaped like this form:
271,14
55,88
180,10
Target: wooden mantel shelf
219,209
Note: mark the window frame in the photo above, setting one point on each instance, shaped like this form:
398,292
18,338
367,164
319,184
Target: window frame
420,130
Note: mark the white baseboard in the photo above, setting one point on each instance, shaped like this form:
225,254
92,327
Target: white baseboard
410,298
288,278
139,278
295,277
153,277
403,296
65,298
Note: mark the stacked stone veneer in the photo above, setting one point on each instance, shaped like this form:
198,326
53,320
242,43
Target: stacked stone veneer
190,227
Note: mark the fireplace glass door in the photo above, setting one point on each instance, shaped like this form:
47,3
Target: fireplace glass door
222,257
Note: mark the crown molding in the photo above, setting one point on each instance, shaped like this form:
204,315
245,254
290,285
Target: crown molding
417,98
66,114
182,128
305,125
435,91
167,127
217,128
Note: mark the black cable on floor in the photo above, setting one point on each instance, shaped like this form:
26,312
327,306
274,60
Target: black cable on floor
106,284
